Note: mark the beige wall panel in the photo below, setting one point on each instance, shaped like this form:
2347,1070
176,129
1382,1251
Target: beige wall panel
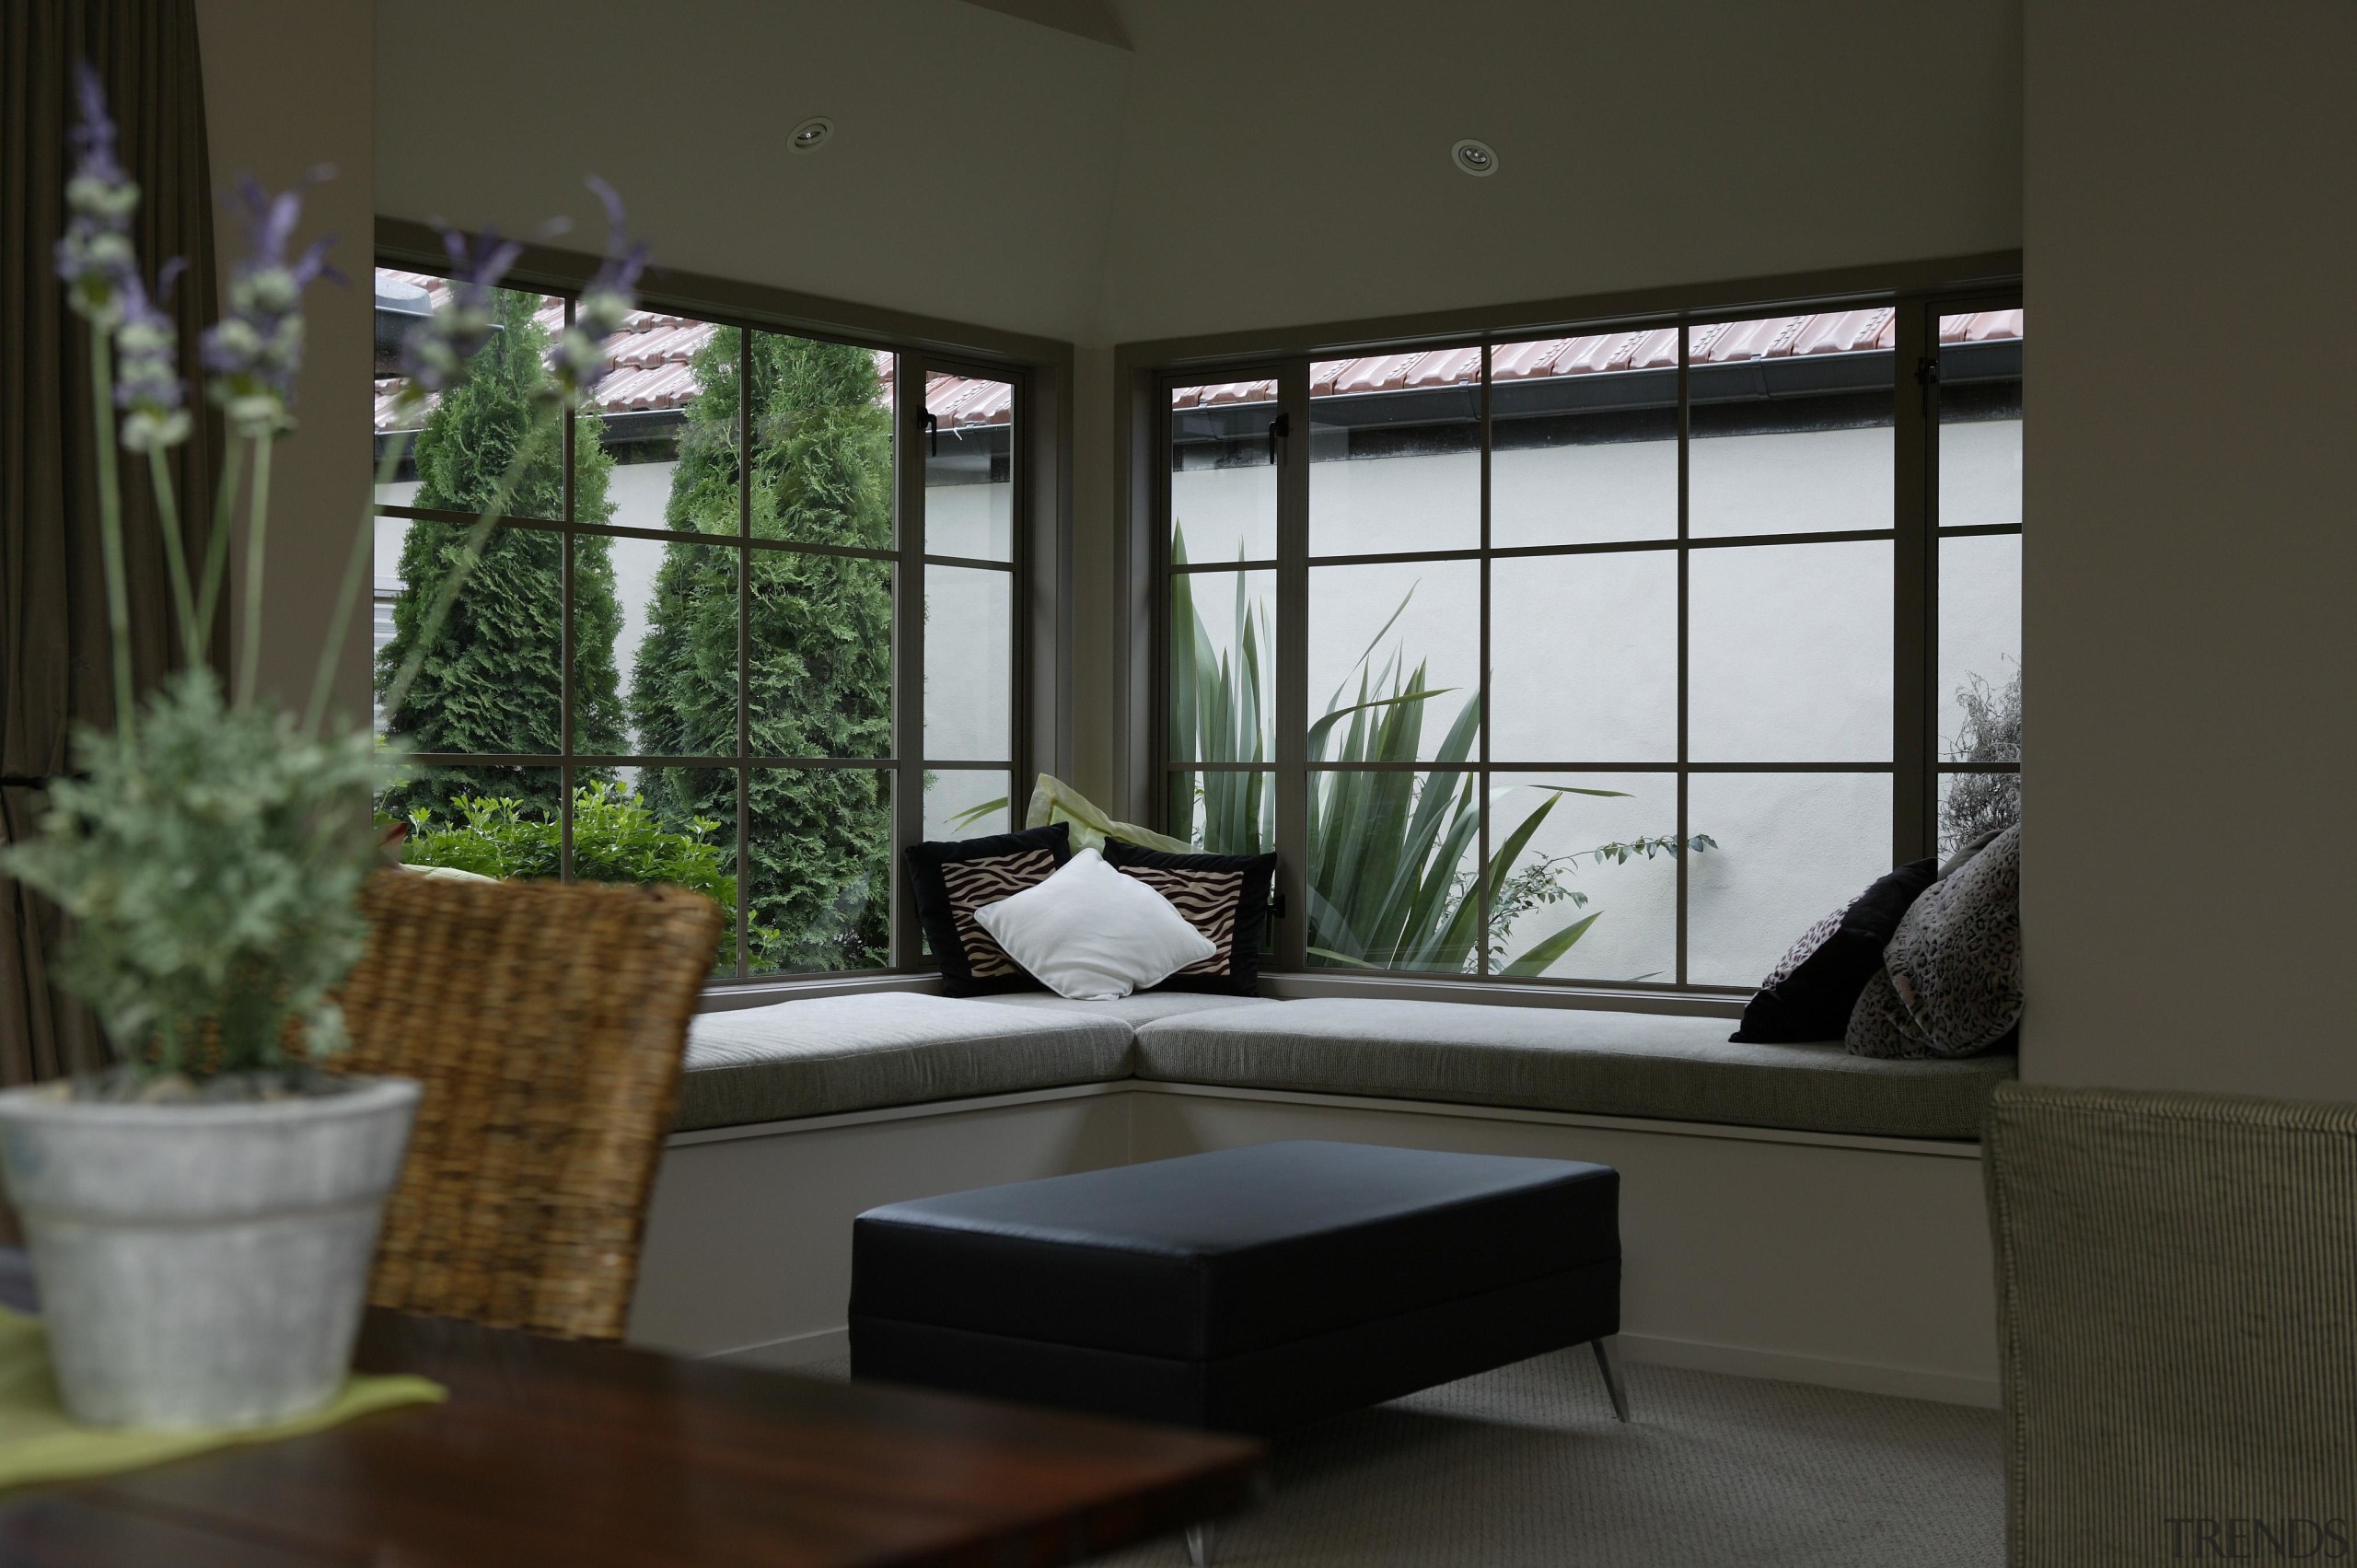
288,85
1850,1266
749,1238
969,177
1289,162
2189,647
1854,1263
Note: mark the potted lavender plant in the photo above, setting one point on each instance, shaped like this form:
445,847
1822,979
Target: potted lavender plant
202,1216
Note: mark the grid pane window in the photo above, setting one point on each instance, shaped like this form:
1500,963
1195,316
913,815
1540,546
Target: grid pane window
1978,513
1585,887
1395,662
1791,421
970,638
1223,810
1222,473
1223,658
970,468
1597,639
1395,444
1790,847
1789,653
1584,439
1394,856
967,803
677,659
1583,659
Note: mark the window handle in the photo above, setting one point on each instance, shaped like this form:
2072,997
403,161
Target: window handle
1279,428
932,435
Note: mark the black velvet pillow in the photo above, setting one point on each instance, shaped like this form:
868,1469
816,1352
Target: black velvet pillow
1810,994
1225,897
950,881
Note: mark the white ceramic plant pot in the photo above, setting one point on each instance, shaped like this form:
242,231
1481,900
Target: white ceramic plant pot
202,1265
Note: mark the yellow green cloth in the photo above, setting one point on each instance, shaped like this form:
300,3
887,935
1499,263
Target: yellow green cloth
38,1443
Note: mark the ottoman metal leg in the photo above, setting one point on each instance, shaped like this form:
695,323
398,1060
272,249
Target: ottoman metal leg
1201,1539
1611,1370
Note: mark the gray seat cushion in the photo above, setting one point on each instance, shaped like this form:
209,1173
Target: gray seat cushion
1141,1008
1608,1063
840,1053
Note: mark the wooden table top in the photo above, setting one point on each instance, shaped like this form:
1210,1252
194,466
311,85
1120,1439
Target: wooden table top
550,1452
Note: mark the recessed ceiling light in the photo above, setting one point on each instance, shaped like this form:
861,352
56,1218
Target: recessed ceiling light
1474,157
811,134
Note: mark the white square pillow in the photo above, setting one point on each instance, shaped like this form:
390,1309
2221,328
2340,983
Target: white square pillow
1091,934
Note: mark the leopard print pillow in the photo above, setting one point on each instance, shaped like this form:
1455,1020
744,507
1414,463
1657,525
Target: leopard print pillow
1951,981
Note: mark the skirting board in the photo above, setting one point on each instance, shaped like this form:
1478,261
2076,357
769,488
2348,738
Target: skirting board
800,1350
1848,1262
1860,1376
1825,1372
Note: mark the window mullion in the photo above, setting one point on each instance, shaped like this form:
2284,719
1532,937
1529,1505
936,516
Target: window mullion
568,731
909,375
1292,739
1685,558
744,648
1481,889
1914,562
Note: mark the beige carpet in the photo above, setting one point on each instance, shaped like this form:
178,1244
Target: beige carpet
1524,1468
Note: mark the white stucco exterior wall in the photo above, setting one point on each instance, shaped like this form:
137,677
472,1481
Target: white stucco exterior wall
1790,658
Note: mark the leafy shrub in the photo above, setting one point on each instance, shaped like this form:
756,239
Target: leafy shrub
495,678
1991,732
615,839
819,681
1386,887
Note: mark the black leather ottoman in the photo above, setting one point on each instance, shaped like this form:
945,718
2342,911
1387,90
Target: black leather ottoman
1249,1290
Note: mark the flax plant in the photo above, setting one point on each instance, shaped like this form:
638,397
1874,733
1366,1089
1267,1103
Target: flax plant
1387,878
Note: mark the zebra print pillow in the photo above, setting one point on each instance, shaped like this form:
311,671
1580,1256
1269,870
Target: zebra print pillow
1225,897
950,881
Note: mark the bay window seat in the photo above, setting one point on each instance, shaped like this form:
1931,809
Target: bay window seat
1662,1066
831,1056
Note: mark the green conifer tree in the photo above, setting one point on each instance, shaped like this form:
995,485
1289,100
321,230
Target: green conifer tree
493,679
819,683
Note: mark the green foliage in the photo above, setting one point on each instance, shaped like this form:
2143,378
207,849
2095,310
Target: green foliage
820,634
615,839
494,680
1219,714
1387,883
212,867
1991,732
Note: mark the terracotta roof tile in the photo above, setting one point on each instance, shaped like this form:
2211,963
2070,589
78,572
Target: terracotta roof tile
1604,353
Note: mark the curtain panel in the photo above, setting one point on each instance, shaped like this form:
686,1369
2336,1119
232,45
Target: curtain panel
54,669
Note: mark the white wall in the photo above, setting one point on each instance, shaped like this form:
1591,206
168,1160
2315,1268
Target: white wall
1790,660
2190,548
1286,164
968,176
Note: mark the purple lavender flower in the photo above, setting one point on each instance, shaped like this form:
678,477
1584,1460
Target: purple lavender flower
253,352
578,362
435,354
94,259
148,383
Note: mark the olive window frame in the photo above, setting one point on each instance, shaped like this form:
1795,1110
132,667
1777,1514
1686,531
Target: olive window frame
1148,374
1038,373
